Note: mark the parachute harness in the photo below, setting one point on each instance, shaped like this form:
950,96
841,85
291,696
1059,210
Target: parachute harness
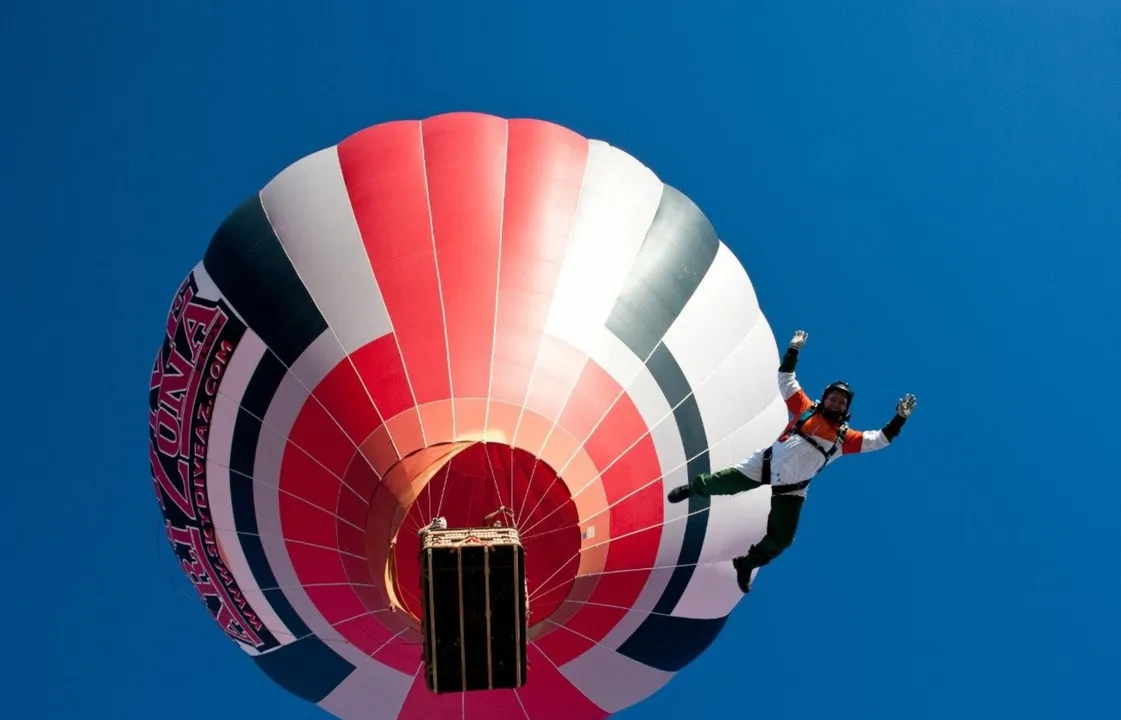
796,429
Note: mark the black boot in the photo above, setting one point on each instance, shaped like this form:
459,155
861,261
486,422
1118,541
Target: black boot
679,493
743,573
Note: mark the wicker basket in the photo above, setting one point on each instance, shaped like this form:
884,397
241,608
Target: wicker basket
473,594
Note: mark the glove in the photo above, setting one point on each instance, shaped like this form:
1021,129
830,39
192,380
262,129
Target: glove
906,406
799,339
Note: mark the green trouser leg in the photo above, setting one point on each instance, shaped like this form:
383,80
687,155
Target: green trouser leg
782,525
728,481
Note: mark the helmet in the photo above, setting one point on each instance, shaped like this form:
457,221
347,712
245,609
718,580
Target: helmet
837,387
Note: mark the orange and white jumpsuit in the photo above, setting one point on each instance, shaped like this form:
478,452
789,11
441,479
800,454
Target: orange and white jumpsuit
794,460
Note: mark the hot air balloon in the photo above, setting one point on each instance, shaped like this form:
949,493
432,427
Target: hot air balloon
420,403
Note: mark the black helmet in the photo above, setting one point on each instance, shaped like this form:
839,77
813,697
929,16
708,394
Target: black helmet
841,387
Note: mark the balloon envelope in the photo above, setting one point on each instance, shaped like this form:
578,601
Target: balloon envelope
456,317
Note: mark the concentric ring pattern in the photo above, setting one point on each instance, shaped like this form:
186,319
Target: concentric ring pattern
459,317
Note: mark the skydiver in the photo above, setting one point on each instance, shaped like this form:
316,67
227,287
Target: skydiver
791,462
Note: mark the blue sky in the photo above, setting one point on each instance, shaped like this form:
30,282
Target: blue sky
932,190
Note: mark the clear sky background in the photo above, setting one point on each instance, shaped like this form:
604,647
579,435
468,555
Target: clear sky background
931,189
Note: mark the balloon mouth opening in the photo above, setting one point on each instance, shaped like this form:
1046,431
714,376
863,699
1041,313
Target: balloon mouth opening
474,484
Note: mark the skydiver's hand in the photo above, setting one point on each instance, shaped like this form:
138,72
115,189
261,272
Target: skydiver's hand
906,406
799,339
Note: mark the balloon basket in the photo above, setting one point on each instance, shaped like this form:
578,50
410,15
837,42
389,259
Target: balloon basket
474,601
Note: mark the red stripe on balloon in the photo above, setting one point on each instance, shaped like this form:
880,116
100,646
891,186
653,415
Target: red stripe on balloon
544,172
317,434
345,399
623,451
382,371
321,520
465,161
303,480
383,168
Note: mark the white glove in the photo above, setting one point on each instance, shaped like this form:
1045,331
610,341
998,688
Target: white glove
799,339
906,405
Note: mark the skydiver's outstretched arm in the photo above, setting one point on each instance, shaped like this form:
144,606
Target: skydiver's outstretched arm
864,441
796,399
